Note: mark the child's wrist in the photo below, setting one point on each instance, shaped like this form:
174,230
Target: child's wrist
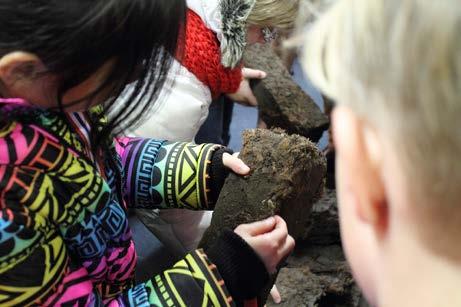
243,271
218,173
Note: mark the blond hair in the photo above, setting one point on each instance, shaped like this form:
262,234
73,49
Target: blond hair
274,13
397,64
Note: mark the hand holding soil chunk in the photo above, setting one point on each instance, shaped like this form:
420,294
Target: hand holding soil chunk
287,177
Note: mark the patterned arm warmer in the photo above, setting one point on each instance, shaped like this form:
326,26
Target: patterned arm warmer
193,281
218,173
160,174
231,273
241,268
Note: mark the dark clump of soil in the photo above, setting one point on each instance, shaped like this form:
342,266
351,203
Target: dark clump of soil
287,177
282,103
317,273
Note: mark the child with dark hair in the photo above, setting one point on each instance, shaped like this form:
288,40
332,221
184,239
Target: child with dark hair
67,180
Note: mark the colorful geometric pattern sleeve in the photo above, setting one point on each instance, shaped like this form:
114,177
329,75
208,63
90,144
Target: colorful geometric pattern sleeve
159,174
193,281
41,266
64,235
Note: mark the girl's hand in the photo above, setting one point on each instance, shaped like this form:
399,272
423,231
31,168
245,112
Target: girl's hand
244,94
269,239
276,297
233,163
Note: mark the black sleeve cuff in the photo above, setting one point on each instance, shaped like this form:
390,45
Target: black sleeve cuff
243,271
218,173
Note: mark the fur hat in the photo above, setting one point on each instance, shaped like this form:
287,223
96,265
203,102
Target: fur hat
234,16
227,18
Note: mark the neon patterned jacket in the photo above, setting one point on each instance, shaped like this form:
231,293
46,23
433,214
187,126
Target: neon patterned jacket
64,235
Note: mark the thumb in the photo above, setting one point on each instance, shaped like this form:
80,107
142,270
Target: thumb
253,73
235,164
276,297
260,227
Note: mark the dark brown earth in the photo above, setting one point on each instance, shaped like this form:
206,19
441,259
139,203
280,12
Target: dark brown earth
287,177
317,273
282,103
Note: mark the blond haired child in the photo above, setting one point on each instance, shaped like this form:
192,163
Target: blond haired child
216,34
394,69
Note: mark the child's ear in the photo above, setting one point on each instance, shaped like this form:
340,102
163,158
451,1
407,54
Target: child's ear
18,69
359,150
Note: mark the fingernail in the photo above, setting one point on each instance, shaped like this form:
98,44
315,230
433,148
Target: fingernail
244,168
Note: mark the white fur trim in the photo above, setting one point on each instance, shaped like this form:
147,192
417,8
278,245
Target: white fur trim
227,18
234,27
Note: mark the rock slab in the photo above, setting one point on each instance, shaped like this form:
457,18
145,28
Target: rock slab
282,103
